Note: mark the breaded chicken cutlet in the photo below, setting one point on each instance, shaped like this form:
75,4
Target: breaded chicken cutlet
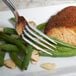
63,25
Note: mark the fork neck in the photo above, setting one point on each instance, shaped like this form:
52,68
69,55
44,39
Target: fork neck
12,8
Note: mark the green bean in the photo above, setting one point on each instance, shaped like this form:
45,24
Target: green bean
27,57
9,48
14,57
21,41
9,30
61,51
2,55
18,38
41,26
63,54
12,31
64,51
12,19
11,40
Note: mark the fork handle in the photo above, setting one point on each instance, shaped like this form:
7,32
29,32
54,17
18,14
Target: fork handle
12,8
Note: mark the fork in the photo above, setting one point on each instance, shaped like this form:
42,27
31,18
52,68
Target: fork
30,34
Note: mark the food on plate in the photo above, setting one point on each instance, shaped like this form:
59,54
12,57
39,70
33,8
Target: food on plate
16,47
61,28
2,56
32,23
63,25
20,25
9,63
48,66
35,57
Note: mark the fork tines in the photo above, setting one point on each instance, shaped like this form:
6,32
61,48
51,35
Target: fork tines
31,35
37,39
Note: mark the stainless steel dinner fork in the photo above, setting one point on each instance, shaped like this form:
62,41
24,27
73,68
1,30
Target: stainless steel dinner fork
29,33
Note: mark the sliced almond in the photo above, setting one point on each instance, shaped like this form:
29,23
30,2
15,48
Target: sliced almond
1,29
32,23
48,66
9,63
35,57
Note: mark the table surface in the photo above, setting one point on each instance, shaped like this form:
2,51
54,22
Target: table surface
23,4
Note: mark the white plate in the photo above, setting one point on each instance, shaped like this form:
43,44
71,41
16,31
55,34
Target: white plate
66,66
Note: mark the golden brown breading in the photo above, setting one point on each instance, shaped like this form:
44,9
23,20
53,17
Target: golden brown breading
20,25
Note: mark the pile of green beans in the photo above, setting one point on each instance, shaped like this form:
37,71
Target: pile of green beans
14,46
